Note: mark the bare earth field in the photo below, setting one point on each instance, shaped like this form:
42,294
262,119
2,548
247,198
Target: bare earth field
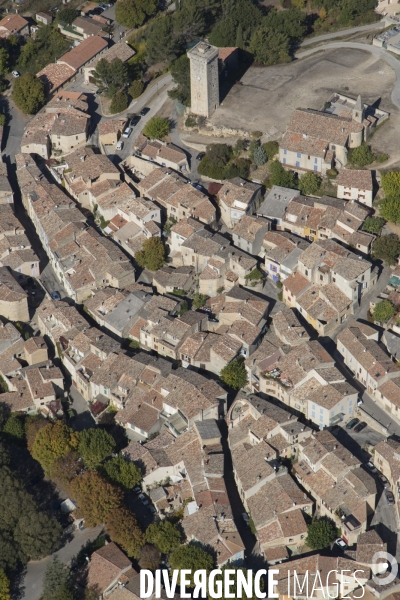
268,95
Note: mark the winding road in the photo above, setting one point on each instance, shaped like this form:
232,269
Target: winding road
336,34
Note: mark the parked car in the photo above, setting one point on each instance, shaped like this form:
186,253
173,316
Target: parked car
205,309
245,518
389,498
71,412
360,427
55,296
15,74
127,132
200,155
384,482
119,145
143,499
213,319
371,467
135,120
341,543
352,423
137,489
144,111
153,510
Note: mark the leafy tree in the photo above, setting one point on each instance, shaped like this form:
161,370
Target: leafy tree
64,469
165,536
152,254
239,37
157,128
390,209
121,472
292,23
5,456
48,45
242,12
271,149
124,530
150,557
94,446
28,93
184,308
383,311
53,441
161,43
234,374
96,498
180,71
64,593
321,533
107,73
4,586
238,167
216,159
387,247
240,146
189,23
132,13
270,47
136,88
309,184
199,300
67,16
191,557
14,428
279,176
4,61
119,103
56,576
33,424
373,224
361,156
260,156
391,183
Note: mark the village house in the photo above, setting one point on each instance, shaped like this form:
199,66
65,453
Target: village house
15,248
237,198
110,131
82,28
166,155
274,205
119,50
342,490
35,350
168,279
59,321
387,460
248,234
14,25
328,285
281,251
45,18
355,185
6,193
13,298
107,570
84,52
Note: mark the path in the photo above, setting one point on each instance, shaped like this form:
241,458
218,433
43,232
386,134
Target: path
335,34
379,52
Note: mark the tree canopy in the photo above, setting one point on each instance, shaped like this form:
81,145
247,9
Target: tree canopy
132,13
152,254
321,533
373,224
309,184
96,498
270,47
361,156
107,73
67,16
136,88
384,311
180,71
157,128
53,441
56,578
390,209
387,247
4,586
193,558
279,176
123,529
122,472
64,469
234,374
28,94
271,149
215,161
94,446
390,183
165,536
199,300
14,428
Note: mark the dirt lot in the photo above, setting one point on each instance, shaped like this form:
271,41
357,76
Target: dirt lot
268,95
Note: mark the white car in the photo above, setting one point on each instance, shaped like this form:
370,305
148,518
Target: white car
127,132
341,543
371,467
15,74
120,145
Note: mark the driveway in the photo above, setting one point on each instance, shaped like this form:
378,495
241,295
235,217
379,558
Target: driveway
33,581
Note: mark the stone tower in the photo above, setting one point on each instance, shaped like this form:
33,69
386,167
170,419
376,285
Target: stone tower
358,111
204,79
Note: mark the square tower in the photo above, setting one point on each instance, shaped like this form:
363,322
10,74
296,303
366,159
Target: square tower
204,79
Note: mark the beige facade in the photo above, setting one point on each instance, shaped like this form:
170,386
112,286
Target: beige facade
13,299
204,79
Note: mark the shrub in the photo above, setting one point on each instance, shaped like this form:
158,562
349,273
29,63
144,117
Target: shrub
361,156
119,103
271,149
157,128
191,121
136,88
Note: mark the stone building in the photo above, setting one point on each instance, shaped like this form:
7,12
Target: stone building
204,83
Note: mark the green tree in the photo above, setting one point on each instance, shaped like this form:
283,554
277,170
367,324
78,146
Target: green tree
189,22
239,37
96,498
56,575
309,184
157,128
260,156
119,103
64,469
271,149
67,16
191,557
199,300
387,248
270,47
391,184
53,441
4,586
94,446
321,533
162,43
48,45
33,423
136,88
217,157
132,13
373,224
14,428
390,209
180,71
165,536
361,156
279,176
238,167
107,73
123,529
234,374
384,311
28,94
152,254
241,12
4,61
121,472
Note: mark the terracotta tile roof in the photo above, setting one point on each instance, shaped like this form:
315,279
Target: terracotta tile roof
54,75
248,227
350,178
84,52
296,283
106,565
120,50
13,23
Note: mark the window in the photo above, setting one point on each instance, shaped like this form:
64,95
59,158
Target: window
76,137
321,410
298,155
297,163
285,152
290,539
313,414
315,160
315,168
284,161
321,277
306,272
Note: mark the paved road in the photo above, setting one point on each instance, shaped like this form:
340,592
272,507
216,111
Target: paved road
84,419
378,52
329,36
32,584
371,408
14,131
